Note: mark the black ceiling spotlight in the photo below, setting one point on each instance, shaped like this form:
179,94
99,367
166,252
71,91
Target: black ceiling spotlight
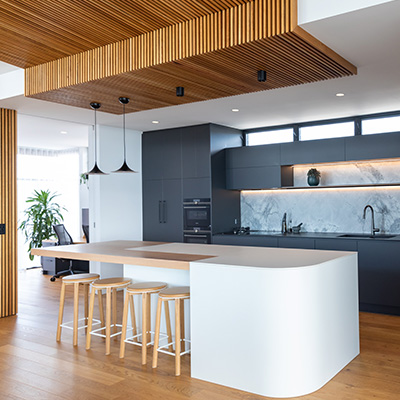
125,166
261,75
180,91
95,170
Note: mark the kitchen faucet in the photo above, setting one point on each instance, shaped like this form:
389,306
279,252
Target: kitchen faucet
284,224
373,229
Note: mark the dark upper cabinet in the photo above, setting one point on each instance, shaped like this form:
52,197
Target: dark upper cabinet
196,152
253,177
253,156
373,146
196,188
162,154
313,151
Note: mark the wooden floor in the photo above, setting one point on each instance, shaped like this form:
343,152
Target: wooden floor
34,366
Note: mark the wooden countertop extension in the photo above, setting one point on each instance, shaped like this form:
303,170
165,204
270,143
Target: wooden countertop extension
180,255
121,252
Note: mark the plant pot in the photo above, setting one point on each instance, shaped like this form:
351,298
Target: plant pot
313,180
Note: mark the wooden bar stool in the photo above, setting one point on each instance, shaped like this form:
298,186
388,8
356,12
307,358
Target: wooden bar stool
145,289
179,294
76,280
110,285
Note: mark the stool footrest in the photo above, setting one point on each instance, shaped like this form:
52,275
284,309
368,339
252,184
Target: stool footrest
67,325
130,339
95,331
159,349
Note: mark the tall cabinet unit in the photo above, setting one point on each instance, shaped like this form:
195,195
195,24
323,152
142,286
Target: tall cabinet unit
181,163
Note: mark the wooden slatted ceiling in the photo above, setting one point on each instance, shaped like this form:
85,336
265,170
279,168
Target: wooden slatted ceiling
212,56
8,213
37,31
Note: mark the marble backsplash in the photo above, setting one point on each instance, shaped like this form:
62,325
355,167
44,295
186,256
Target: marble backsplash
331,209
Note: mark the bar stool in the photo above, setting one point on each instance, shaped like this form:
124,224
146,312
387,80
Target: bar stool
76,280
145,289
110,285
179,294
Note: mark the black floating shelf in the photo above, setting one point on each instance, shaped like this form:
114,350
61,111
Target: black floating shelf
366,185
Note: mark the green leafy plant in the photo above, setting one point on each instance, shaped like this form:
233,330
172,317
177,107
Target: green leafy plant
40,218
314,172
83,179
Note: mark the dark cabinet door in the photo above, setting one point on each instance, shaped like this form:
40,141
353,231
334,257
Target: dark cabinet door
196,188
238,240
172,211
253,156
313,151
196,151
296,243
152,210
373,146
161,154
379,272
253,178
336,244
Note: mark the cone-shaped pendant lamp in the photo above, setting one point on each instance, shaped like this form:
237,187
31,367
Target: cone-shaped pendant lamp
125,166
95,170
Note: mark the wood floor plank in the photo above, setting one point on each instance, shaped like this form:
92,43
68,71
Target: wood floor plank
34,366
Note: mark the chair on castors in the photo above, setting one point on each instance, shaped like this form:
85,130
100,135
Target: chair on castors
64,238
85,229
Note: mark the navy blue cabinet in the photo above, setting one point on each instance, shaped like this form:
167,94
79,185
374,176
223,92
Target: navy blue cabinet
243,240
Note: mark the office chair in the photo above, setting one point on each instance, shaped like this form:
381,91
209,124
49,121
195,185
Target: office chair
64,238
85,229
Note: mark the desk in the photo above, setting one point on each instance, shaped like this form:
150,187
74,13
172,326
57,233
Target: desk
52,265
274,322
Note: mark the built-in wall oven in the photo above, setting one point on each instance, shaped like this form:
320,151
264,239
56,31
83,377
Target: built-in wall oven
197,220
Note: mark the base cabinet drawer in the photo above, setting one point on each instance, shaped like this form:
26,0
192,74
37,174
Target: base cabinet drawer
296,243
258,241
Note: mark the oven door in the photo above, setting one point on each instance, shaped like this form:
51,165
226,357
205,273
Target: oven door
197,217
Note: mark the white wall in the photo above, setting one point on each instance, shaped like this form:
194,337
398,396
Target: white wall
12,84
313,10
115,200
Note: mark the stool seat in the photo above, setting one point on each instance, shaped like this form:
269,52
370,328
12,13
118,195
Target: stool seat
175,292
145,287
111,282
80,278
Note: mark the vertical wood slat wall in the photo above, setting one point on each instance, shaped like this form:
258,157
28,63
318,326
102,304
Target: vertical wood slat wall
8,212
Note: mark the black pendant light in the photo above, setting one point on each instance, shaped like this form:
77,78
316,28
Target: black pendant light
95,170
125,166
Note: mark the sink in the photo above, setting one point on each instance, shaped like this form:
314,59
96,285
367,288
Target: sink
366,236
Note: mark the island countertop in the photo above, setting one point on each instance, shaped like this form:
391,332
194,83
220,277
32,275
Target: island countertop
180,255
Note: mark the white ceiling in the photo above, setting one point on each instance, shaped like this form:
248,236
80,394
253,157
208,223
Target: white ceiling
368,38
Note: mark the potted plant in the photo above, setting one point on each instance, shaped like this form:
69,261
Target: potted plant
40,218
313,177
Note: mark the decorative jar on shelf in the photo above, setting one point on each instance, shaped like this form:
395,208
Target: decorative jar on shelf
313,177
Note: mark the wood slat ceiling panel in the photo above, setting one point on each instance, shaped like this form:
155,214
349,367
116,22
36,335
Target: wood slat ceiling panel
212,56
37,31
227,72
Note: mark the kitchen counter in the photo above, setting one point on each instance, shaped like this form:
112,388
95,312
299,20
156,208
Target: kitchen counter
275,322
314,235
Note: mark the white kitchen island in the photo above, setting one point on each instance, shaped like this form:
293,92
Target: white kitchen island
275,322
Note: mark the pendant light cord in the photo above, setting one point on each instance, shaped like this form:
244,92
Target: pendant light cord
95,137
124,134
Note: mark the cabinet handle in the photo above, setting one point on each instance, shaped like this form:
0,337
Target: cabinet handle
165,211
160,219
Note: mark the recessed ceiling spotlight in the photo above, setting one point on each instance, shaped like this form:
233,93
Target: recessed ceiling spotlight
235,110
64,132
261,75
339,94
155,122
